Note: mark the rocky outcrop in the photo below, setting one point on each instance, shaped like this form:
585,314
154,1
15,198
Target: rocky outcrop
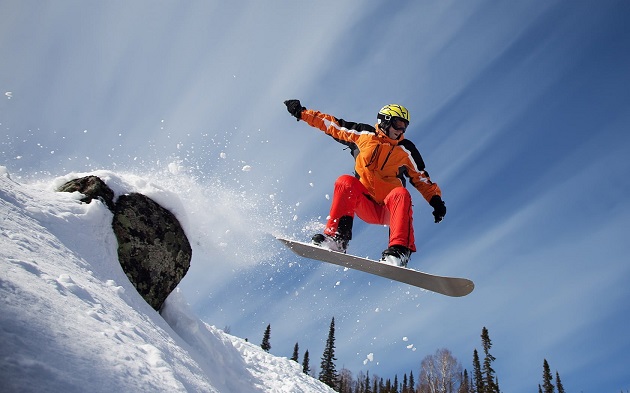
153,249
92,187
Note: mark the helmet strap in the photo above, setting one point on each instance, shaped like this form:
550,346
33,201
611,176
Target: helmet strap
384,124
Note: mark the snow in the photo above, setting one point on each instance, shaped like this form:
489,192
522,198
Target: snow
71,321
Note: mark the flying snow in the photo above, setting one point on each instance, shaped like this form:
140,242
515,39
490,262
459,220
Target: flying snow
72,321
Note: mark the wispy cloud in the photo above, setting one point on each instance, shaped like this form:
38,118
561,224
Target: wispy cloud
518,109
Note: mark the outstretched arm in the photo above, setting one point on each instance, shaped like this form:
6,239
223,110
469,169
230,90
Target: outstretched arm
339,129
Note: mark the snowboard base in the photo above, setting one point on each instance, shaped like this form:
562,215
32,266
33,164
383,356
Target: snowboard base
449,286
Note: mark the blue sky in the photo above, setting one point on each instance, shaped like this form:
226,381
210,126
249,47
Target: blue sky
520,109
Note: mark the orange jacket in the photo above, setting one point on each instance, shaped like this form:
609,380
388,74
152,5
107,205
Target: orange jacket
381,163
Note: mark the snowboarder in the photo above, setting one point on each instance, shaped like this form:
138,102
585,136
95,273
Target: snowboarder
376,193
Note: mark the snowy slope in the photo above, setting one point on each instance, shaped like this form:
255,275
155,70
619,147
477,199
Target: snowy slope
71,321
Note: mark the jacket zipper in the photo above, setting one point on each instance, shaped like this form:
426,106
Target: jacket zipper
387,157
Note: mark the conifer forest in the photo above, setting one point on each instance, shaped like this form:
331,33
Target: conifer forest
439,372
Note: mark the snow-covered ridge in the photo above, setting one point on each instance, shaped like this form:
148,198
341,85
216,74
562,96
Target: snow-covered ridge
71,321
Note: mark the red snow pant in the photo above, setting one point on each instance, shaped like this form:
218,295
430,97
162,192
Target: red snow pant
350,197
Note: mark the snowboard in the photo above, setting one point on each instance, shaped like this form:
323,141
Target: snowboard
449,286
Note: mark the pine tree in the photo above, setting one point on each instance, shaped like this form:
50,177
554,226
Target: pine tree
295,355
466,386
547,378
266,346
367,383
477,375
405,389
559,383
489,384
412,383
306,368
328,373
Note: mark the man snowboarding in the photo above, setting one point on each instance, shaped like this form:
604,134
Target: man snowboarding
376,193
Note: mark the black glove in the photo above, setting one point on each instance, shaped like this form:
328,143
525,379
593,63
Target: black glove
295,108
439,208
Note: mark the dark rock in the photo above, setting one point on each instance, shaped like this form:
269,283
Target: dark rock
153,249
93,188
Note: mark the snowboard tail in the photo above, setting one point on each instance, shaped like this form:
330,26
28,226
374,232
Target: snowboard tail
449,286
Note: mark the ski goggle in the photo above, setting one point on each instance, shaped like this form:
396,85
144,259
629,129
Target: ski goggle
401,128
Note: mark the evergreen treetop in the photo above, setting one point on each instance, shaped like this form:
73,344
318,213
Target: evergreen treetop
295,355
547,378
306,368
266,346
490,385
328,373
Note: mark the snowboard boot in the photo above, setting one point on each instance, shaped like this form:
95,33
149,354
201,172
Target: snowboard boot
396,255
332,243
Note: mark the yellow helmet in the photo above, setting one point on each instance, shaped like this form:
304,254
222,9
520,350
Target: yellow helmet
391,111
